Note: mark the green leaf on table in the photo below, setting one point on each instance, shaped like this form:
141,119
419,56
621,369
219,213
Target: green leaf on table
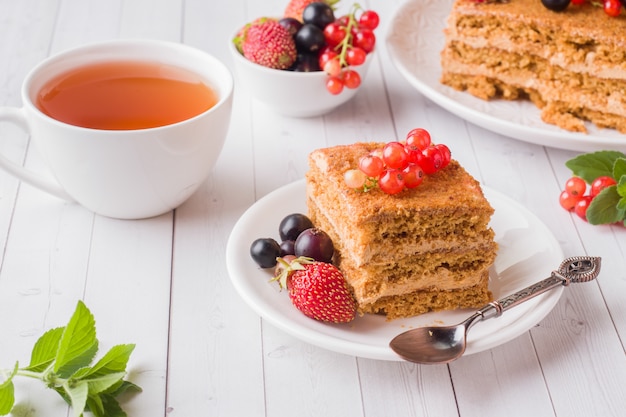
112,407
7,392
101,383
603,209
78,344
77,393
619,168
45,350
621,186
592,165
115,360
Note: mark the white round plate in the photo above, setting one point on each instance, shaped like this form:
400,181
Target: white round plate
528,253
415,40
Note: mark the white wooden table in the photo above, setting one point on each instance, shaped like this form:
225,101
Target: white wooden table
162,283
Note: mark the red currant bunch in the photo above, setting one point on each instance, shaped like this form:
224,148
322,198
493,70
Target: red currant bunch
399,165
576,197
349,39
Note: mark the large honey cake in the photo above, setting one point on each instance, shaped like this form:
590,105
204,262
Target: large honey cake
571,64
424,249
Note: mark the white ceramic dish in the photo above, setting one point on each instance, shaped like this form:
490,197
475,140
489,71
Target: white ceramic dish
415,40
528,252
289,93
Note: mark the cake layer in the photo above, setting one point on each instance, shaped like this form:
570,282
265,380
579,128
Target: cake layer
566,98
423,301
381,249
571,64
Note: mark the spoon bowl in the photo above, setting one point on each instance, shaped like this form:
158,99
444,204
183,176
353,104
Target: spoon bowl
443,344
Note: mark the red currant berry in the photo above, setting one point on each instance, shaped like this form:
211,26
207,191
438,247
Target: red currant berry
334,85
418,137
369,19
334,33
576,186
332,67
354,178
432,160
371,165
568,201
445,153
355,56
351,78
413,175
326,55
395,156
391,182
600,184
415,154
580,208
365,39
612,7
578,2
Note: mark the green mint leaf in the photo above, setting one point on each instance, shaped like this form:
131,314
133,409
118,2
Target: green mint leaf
603,208
77,393
122,387
7,397
78,344
619,168
590,166
103,382
95,406
621,186
7,391
112,407
45,350
115,360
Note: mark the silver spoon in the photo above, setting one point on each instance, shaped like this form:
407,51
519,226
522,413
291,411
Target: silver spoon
443,344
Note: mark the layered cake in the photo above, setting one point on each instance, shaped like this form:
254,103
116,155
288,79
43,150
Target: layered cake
571,64
424,249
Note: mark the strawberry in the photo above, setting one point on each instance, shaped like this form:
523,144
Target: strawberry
266,42
318,290
295,7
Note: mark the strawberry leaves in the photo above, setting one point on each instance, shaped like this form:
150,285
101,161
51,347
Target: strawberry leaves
62,358
609,205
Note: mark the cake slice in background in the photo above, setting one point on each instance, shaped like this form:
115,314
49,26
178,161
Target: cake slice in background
571,64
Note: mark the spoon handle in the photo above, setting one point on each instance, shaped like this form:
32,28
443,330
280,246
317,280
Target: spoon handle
571,270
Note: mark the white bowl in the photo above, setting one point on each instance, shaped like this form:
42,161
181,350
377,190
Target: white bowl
290,93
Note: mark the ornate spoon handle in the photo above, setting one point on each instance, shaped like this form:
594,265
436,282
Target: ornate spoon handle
571,270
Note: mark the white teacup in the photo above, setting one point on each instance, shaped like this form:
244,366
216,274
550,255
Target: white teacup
127,174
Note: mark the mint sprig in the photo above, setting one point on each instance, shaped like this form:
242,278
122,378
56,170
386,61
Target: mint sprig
609,206
62,359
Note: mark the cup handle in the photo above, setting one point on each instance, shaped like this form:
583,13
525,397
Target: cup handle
16,116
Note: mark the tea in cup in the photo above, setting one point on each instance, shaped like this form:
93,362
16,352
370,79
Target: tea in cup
129,128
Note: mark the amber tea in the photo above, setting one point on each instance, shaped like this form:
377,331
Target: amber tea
125,95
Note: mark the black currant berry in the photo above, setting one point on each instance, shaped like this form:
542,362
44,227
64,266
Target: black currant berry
315,243
309,38
556,5
292,225
319,14
292,25
306,63
264,252
287,248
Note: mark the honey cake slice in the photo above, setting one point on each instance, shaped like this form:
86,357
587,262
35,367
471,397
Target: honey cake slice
428,248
